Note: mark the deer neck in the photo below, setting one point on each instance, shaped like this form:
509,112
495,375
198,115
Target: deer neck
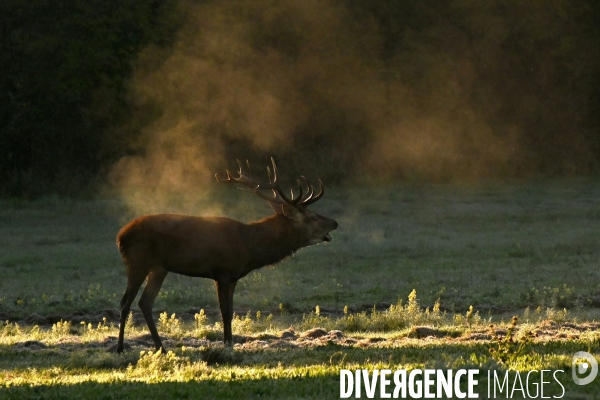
272,239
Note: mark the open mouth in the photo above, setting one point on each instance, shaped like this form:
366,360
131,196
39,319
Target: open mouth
327,237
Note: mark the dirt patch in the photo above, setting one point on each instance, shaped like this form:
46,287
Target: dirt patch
76,317
31,345
547,330
214,352
314,333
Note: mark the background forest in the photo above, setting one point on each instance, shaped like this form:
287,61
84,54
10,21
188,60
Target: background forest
107,94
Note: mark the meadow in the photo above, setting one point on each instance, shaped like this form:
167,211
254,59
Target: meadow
414,277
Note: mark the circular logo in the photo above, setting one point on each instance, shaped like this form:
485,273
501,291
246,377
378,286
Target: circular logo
584,363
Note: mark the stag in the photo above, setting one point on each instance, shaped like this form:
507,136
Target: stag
217,248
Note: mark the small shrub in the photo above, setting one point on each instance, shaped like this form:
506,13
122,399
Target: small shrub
170,326
129,323
200,319
102,326
10,329
398,316
557,315
241,325
506,350
156,364
61,328
36,333
469,316
526,314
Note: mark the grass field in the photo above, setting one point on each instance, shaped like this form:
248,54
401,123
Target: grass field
506,249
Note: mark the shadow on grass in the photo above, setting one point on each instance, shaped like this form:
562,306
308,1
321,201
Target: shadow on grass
324,387
318,386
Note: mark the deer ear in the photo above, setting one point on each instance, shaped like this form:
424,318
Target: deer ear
291,212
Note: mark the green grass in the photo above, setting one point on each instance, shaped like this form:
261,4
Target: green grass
500,248
68,361
497,247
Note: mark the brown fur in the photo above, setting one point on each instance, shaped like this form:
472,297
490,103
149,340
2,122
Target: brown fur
221,249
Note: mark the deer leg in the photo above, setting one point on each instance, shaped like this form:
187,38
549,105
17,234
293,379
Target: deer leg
225,292
231,289
153,284
133,286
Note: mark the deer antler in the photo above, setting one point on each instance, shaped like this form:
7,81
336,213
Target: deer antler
278,196
310,198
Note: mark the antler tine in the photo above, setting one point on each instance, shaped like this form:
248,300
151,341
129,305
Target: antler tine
297,200
274,170
316,197
242,178
278,196
310,191
277,188
221,180
241,171
299,186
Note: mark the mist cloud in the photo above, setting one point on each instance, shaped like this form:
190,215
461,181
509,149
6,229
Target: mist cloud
328,88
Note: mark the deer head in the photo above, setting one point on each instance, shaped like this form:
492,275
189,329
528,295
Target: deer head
314,228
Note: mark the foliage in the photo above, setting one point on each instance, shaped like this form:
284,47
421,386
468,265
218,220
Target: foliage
397,317
508,349
10,329
77,365
159,362
63,89
168,325
61,328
